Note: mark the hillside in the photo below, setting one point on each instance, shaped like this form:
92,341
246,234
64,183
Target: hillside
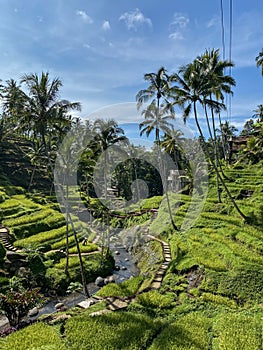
210,298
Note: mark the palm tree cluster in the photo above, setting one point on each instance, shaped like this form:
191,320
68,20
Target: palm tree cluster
200,85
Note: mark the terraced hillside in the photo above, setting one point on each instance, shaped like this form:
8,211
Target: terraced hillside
35,226
211,297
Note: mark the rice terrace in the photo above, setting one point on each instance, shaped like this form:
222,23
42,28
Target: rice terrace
131,175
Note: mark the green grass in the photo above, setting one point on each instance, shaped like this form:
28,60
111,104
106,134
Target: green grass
39,336
190,332
113,331
235,332
124,289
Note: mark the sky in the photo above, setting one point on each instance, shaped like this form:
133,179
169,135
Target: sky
102,49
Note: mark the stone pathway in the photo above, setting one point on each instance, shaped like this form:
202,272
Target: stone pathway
157,281
5,238
117,303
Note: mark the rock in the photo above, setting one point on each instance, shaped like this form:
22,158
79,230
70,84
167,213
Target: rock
99,281
14,256
126,259
124,268
110,279
85,304
59,319
117,252
33,312
117,268
59,306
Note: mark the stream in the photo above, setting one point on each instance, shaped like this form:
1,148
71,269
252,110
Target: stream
122,259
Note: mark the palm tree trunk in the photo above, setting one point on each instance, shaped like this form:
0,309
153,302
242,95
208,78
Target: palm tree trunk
67,231
163,175
215,168
31,178
213,138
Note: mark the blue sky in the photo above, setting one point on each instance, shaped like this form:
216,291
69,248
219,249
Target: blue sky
101,49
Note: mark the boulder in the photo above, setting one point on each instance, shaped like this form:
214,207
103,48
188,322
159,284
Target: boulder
117,252
59,306
33,312
110,279
14,256
99,281
117,268
124,268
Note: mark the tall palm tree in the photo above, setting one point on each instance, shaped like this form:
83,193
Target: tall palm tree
158,89
193,87
66,166
159,93
259,60
43,111
107,133
157,120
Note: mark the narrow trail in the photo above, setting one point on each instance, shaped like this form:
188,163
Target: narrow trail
5,239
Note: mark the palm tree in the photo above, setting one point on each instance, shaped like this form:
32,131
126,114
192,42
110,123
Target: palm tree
159,88
43,112
227,132
172,144
66,166
259,113
156,118
193,87
259,60
107,133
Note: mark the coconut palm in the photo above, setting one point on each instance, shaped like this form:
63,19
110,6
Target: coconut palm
43,112
157,120
259,61
107,133
172,144
158,89
259,113
192,88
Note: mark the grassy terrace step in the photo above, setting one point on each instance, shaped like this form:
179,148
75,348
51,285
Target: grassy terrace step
32,218
55,236
237,332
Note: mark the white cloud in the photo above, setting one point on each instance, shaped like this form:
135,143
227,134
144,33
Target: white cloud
84,16
176,36
213,22
106,26
134,19
180,20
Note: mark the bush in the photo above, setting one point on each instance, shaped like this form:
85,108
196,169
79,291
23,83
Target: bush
38,336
